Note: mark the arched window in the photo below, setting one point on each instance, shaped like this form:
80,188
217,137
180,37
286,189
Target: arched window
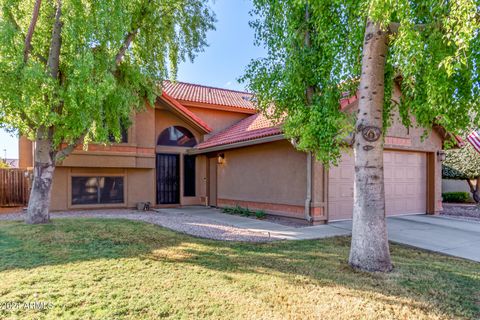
176,136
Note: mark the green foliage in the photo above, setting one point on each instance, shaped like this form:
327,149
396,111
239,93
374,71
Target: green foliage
260,214
4,165
461,163
238,210
94,95
436,50
456,197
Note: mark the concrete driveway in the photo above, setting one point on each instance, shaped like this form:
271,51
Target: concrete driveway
444,235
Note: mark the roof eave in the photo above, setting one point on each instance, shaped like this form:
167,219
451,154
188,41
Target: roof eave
187,114
205,105
236,145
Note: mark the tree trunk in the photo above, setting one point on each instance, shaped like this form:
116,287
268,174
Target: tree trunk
44,167
370,250
475,190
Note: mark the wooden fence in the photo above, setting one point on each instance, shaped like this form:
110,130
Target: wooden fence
14,187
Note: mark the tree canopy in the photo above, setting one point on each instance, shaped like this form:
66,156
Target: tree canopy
462,163
112,55
434,54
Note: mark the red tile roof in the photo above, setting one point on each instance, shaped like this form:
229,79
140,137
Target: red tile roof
209,95
187,113
251,128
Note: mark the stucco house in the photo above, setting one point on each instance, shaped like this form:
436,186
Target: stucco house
208,146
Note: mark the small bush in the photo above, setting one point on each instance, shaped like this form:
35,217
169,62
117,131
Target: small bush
4,165
260,214
458,197
237,210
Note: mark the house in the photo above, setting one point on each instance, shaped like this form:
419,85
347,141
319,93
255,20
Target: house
208,146
12,163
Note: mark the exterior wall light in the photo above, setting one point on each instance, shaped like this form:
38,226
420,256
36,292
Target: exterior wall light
221,158
441,155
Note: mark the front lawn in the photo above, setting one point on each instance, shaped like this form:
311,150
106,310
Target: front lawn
110,269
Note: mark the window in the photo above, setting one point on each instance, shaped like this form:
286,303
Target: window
97,190
176,136
189,176
123,135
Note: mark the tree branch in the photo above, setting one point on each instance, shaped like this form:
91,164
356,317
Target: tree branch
308,44
31,29
65,152
126,43
17,27
56,43
131,35
472,187
27,119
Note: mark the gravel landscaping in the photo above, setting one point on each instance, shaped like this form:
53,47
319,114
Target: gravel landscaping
469,212
181,222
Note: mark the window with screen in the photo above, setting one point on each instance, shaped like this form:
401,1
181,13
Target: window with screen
189,176
97,190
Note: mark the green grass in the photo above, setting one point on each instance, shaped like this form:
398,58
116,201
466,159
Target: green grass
113,269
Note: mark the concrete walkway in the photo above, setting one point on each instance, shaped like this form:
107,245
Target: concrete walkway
448,236
272,230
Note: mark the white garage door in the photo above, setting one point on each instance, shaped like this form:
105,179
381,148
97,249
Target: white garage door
405,185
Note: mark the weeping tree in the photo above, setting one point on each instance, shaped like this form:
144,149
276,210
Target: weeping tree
72,71
464,164
318,50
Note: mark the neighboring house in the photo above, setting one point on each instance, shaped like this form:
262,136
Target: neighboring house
209,146
12,163
451,185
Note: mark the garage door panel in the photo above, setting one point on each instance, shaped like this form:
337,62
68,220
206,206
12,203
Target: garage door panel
405,185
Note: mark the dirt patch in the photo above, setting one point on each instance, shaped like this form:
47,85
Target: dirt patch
462,211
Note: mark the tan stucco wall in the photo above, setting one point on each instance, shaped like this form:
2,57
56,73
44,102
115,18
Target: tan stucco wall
59,199
217,119
268,173
139,186
145,128
25,153
165,119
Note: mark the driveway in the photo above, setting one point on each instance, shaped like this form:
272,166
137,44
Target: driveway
444,235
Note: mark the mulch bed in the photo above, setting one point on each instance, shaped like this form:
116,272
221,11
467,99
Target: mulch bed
461,211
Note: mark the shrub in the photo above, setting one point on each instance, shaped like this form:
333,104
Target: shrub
4,165
260,214
458,197
237,210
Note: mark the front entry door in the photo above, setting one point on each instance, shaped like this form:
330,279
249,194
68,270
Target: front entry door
168,178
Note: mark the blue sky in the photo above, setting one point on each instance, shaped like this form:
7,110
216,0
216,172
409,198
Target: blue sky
223,62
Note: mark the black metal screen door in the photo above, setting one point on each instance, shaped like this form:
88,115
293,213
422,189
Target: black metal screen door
168,178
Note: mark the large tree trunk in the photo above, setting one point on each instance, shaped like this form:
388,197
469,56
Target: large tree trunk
45,156
44,167
369,250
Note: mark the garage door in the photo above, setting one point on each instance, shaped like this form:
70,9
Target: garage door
405,185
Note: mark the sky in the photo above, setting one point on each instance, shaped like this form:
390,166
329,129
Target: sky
230,50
